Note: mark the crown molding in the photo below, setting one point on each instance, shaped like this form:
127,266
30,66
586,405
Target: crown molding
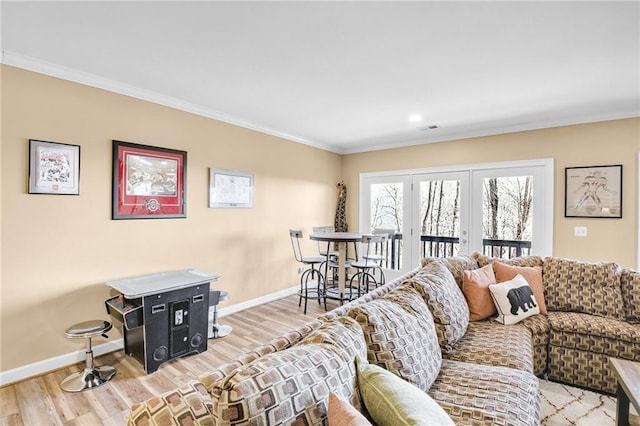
29,63
493,131
54,70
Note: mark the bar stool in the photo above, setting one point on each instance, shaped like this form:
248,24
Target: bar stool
367,265
309,273
91,376
380,253
217,330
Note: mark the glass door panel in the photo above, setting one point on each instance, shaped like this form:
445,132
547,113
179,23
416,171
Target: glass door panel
385,207
507,216
511,206
442,205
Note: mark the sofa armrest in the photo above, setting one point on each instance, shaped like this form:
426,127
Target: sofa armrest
188,404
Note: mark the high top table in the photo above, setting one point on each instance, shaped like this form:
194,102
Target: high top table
341,238
628,376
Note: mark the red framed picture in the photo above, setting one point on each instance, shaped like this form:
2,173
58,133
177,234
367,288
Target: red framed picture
148,182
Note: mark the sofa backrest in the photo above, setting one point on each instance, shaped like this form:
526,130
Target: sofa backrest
591,288
525,261
602,289
373,294
279,343
292,386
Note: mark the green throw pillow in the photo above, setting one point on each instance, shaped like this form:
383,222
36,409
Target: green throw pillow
393,401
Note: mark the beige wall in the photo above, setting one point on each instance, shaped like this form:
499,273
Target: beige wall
58,251
612,142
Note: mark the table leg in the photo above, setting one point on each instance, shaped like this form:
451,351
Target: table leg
342,255
622,409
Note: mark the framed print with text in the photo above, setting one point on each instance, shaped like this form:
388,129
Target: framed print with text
148,182
54,168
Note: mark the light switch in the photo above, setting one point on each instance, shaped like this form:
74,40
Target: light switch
580,231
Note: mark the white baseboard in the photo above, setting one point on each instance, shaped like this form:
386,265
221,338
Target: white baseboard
228,310
44,366
50,364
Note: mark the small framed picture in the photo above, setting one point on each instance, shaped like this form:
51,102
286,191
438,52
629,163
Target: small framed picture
231,189
54,168
148,182
593,191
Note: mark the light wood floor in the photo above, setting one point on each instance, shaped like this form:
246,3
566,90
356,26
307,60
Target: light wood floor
40,401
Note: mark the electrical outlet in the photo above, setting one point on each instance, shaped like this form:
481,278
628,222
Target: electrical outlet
580,231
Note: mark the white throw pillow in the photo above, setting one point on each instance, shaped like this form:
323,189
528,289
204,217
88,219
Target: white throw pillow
514,300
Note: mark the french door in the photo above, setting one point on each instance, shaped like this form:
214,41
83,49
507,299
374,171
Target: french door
500,209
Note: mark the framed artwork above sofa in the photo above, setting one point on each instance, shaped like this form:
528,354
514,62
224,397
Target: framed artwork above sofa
593,191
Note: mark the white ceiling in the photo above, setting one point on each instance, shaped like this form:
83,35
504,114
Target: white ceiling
345,76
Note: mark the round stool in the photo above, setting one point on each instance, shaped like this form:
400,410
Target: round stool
91,376
216,330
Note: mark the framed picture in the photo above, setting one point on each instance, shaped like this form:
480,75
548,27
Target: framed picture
54,168
593,191
229,188
148,182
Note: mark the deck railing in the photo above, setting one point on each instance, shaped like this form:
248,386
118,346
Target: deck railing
437,246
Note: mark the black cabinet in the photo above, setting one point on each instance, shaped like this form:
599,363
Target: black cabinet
167,319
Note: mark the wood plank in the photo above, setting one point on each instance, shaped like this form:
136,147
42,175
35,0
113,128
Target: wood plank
36,404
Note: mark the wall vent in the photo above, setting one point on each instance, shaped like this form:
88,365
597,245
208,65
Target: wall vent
431,127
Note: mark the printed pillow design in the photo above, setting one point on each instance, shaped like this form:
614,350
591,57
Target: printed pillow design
514,300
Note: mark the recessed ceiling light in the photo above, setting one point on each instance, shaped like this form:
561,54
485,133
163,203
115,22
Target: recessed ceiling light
414,118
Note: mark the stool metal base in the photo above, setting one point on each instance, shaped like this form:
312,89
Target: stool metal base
88,378
219,331
215,329
91,376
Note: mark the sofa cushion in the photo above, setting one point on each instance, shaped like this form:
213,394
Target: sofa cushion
474,394
343,332
400,335
595,334
533,275
188,404
590,288
293,384
514,300
456,265
491,343
445,301
516,261
391,401
475,287
580,346
630,288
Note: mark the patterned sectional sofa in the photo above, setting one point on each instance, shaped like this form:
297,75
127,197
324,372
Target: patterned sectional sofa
593,314
417,327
